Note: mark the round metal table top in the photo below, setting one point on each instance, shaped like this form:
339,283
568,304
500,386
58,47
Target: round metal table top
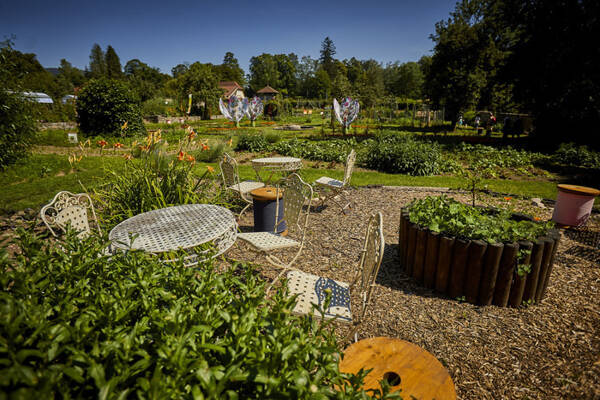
404,365
172,228
279,163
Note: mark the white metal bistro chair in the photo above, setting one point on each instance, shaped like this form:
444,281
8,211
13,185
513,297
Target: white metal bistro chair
231,180
335,188
313,290
68,208
296,195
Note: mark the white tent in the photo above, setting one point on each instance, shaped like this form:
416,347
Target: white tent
38,97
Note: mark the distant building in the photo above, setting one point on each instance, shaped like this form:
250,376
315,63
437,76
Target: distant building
231,89
38,97
267,93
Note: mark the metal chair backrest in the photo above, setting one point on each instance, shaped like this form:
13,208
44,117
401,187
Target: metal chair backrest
296,194
370,261
349,167
229,170
68,208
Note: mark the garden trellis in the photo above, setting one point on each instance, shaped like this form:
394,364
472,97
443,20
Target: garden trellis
234,110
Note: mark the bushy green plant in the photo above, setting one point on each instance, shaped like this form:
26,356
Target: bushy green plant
76,325
17,127
252,143
155,180
212,154
108,107
332,150
155,106
403,154
574,155
446,215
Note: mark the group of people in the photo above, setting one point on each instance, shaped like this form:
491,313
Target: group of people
488,124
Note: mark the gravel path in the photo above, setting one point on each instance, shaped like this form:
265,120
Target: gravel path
546,351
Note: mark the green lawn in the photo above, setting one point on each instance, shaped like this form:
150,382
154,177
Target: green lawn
34,181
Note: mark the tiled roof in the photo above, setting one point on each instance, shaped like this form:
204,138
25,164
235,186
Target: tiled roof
267,89
229,87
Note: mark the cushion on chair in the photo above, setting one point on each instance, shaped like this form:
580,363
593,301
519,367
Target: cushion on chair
326,181
312,289
246,186
266,241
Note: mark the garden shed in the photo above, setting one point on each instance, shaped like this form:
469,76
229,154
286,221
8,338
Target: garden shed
267,93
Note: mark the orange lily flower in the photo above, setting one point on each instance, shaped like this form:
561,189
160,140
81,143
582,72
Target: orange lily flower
210,169
190,158
180,156
508,198
101,143
118,145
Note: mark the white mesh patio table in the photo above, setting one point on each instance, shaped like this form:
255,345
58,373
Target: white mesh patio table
276,164
177,228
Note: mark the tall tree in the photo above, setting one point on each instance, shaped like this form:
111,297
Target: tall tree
263,72
230,69
201,82
326,58
113,64
97,66
145,80
180,69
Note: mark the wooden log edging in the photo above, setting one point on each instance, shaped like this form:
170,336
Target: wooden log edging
478,272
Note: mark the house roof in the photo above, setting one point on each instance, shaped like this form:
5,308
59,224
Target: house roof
267,89
229,87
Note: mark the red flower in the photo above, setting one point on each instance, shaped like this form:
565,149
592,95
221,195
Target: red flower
508,198
180,156
101,143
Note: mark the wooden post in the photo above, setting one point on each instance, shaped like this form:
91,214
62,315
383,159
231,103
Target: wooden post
474,263
505,274
518,288
556,236
537,253
431,256
410,251
417,271
548,249
489,273
404,243
458,268
442,270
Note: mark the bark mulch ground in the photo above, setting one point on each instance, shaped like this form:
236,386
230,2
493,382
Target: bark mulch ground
549,350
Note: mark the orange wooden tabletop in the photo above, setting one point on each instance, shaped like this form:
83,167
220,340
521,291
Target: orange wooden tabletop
421,374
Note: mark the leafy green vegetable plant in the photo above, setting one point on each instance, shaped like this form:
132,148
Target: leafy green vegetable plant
445,215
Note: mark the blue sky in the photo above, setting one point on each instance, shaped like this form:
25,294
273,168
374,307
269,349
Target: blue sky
166,33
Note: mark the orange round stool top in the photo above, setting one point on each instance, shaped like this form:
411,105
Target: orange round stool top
406,366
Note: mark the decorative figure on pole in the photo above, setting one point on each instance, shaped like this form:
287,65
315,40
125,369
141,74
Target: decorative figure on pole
346,112
234,110
254,108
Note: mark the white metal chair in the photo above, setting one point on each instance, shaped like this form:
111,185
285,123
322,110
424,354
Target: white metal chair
231,180
296,195
335,188
313,290
68,208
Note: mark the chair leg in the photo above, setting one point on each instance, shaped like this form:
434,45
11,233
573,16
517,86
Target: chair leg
243,210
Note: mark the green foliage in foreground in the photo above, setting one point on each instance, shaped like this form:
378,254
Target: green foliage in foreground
76,325
446,215
17,127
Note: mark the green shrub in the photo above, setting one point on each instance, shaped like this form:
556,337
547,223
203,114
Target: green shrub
211,155
105,105
272,137
155,106
17,127
403,154
574,155
331,150
252,143
75,325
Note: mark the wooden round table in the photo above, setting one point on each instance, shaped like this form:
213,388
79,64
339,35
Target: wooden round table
405,366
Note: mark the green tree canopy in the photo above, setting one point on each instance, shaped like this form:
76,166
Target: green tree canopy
97,67
146,81
203,84
230,70
326,57
113,64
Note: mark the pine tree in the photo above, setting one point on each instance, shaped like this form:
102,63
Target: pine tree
113,64
97,62
326,59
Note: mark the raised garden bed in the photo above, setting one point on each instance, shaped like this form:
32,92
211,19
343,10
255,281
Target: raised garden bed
475,270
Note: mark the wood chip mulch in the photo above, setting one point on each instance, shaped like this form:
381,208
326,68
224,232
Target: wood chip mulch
549,350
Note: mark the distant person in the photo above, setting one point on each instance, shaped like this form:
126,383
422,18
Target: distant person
477,122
